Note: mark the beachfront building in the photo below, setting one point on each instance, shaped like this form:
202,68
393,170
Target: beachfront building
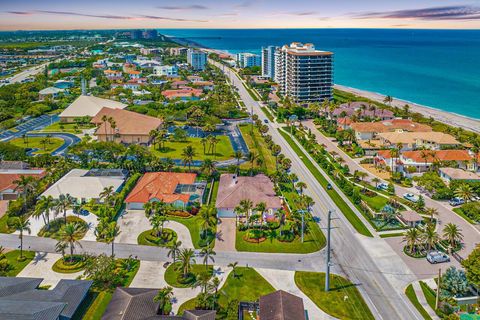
168,71
416,140
303,73
177,51
247,60
197,59
268,61
370,130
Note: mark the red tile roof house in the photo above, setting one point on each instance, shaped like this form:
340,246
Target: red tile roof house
362,110
174,188
232,189
9,176
183,93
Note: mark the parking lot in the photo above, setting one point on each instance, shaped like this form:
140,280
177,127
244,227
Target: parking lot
27,126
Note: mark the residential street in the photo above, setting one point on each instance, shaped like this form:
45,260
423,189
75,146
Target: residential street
471,235
381,281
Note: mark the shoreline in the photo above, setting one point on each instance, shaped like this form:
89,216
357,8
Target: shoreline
449,118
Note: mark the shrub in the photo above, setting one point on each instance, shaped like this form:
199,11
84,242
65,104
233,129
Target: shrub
471,210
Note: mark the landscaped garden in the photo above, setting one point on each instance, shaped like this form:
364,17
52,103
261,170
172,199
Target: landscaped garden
242,284
44,145
11,263
74,128
70,264
343,301
176,276
151,237
54,228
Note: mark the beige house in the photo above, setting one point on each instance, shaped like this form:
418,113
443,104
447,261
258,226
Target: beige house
87,106
414,140
124,126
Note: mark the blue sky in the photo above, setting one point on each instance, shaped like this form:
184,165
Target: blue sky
105,14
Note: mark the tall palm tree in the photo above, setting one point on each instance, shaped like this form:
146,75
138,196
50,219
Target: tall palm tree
208,167
238,155
376,181
464,191
233,265
207,254
63,203
186,258
431,212
111,232
174,250
21,224
107,193
43,207
276,150
26,184
157,221
261,207
252,157
453,234
70,234
246,205
394,153
430,237
104,120
164,298
412,238
301,186
188,154
208,217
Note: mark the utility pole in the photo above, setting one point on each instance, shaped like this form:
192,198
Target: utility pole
327,272
437,299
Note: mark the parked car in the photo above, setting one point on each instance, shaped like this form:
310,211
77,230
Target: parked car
329,186
265,120
456,201
410,197
437,257
382,186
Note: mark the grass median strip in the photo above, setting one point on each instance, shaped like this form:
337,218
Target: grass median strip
410,292
341,204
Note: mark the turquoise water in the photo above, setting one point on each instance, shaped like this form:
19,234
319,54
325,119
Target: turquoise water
436,68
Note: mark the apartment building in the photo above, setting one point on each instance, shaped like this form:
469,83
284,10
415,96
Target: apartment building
303,73
246,60
197,59
268,61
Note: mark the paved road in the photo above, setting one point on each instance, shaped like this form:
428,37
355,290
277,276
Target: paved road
68,140
26,74
382,275
471,235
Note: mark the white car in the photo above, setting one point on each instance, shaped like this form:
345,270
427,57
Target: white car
437,257
410,197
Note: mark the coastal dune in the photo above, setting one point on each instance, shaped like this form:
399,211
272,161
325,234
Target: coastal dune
439,115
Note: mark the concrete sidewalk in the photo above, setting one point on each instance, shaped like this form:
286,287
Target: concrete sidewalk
423,301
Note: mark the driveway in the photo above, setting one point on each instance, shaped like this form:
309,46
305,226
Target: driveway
41,267
226,231
471,233
134,222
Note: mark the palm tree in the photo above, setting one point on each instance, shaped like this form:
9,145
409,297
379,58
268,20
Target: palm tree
186,259
233,265
204,142
208,217
246,205
453,234
394,153
276,150
301,186
207,254
432,212
412,237
464,191
111,232
43,207
104,120
21,224
238,155
157,221
70,234
208,167
164,298
188,154
107,193
174,250
261,207
252,156
376,181
63,203
26,184
430,237
148,208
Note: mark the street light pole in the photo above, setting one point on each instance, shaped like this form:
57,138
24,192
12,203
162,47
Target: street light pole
327,272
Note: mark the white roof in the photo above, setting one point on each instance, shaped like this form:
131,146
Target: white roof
89,106
79,186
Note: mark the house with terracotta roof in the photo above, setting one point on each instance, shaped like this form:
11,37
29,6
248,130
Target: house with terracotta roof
175,188
8,176
362,110
128,127
233,188
113,74
186,93
370,130
414,140
423,160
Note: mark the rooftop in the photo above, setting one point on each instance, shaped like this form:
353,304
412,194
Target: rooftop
413,137
437,155
281,305
89,106
127,122
459,174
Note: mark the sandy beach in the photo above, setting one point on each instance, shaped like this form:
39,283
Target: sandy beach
449,118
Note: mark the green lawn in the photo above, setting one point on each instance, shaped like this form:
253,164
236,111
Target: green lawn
35,142
3,225
339,201
410,292
430,296
58,223
249,285
12,257
333,302
173,273
148,238
313,241
257,144
67,127
267,113
193,224
377,203
459,211
174,150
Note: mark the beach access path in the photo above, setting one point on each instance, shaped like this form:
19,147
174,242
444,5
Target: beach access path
449,118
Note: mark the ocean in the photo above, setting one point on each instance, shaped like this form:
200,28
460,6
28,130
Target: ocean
435,68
